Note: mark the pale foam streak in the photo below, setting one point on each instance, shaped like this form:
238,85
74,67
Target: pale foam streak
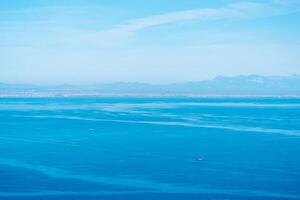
117,107
38,142
155,187
185,124
59,173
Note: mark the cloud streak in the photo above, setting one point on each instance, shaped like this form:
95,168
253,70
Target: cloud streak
125,32
232,12
237,11
90,44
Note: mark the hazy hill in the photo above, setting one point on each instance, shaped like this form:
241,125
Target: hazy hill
236,85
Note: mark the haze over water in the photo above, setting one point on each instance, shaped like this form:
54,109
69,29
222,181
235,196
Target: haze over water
149,148
106,100
88,41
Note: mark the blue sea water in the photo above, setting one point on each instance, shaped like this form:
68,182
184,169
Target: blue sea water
149,148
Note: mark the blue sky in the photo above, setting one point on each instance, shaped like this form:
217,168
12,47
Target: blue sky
96,41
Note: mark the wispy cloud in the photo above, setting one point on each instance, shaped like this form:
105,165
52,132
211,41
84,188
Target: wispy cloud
237,11
125,32
98,45
122,33
286,1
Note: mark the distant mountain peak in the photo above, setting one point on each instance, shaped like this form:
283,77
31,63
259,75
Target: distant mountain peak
221,85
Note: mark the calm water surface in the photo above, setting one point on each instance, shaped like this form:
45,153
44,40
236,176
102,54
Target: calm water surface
149,148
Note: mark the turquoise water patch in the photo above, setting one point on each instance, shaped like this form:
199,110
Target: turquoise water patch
122,148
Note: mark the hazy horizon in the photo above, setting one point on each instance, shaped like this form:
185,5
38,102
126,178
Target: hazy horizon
245,76
148,100
86,42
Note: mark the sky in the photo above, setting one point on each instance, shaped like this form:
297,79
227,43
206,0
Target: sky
154,41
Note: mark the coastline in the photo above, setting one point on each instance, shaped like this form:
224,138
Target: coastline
136,95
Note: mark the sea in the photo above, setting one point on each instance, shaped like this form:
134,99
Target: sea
149,148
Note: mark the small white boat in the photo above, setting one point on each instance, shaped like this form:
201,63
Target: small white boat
199,159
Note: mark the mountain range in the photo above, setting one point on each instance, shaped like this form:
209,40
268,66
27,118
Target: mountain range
221,85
